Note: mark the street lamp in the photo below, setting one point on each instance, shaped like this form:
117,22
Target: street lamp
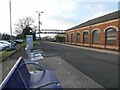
10,22
39,13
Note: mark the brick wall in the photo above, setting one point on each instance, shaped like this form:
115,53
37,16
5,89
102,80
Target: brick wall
101,27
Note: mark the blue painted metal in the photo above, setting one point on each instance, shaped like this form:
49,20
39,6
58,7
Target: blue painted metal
20,77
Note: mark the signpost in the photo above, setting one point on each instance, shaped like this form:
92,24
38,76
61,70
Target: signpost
29,41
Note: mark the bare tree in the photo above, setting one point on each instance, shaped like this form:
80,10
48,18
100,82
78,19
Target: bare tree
23,23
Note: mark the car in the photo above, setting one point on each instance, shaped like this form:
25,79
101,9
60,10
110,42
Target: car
13,42
3,46
18,41
5,43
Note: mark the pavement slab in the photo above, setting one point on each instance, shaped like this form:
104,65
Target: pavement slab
68,76
105,51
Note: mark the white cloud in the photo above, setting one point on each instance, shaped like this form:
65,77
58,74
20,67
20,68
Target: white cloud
59,14
96,10
101,13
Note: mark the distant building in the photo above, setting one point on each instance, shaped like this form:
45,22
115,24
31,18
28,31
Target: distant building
101,32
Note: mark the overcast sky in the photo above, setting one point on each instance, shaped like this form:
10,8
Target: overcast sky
58,14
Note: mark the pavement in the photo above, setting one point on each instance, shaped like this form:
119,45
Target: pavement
6,66
91,49
68,75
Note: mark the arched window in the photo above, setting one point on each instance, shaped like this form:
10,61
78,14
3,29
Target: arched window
72,37
85,37
110,36
68,37
96,37
78,38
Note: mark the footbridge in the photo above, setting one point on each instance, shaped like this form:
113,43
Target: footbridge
51,31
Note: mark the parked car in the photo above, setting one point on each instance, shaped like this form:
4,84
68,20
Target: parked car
2,47
6,43
18,41
13,42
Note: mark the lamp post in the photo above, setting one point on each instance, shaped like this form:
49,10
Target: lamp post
39,13
10,22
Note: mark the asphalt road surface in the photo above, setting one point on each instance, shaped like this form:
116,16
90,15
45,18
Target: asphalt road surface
100,67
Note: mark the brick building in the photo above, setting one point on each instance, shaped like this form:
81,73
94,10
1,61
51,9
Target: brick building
101,32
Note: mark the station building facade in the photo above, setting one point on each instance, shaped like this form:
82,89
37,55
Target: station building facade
102,32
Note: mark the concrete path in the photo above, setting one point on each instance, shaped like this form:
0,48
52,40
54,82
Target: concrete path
68,76
91,49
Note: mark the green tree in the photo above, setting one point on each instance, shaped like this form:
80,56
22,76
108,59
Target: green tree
5,36
25,27
28,31
60,38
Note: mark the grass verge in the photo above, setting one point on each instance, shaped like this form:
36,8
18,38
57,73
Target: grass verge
5,54
9,52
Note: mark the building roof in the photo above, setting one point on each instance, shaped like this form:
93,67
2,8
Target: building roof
108,17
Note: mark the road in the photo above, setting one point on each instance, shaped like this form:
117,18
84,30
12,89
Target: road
100,67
